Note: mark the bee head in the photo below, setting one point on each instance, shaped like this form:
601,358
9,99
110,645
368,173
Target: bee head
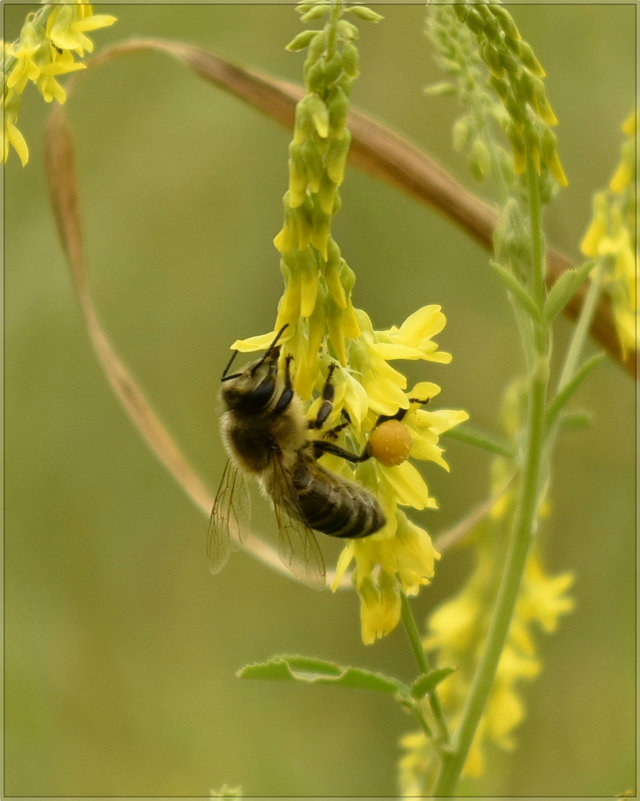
252,389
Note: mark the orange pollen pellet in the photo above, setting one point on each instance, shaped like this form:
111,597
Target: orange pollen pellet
390,443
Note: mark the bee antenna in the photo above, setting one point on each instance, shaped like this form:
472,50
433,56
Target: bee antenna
226,377
271,348
278,335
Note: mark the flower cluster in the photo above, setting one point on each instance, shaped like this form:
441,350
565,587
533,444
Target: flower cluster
48,41
457,630
326,332
611,237
515,75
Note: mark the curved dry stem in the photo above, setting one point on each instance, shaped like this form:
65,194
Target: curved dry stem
381,152
64,199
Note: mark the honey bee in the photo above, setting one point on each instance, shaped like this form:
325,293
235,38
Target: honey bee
266,434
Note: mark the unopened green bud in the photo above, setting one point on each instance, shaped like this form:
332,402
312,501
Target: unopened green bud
332,69
492,59
347,30
316,12
461,133
337,156
327,193
338,105
301,41
312,165
297,176
319,114
350,59
365,13
314,75
479,159
529,60
505,20
317,46
500,86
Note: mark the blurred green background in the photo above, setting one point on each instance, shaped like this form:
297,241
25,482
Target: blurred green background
120,647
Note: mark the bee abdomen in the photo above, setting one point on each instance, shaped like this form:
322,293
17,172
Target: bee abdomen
336,506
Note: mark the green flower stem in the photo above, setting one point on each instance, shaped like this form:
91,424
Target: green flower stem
581,329
523,526
537,239
416,645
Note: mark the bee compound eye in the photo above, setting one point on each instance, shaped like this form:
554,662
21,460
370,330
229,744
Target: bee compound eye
259,397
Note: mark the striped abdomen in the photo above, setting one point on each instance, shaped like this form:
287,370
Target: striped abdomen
329,503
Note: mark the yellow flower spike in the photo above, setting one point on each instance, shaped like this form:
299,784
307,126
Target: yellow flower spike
611,238
328,333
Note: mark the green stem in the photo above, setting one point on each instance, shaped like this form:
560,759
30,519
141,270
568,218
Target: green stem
581,330
416,646
523,525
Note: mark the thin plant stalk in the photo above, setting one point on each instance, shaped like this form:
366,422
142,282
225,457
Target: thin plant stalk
523,527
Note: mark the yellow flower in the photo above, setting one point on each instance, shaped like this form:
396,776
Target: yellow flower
457,630
611,238
44,49
12,136
67,23
24,69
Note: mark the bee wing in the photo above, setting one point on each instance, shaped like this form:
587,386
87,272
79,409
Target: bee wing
297,545
231,511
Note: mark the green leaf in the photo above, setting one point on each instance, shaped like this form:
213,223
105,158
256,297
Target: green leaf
520,294
320,671
561,399
575,421
426,683
564,289
480,439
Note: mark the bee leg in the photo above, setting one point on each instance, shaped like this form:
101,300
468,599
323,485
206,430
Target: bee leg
332,433
401,412
321,446
287,393
327,401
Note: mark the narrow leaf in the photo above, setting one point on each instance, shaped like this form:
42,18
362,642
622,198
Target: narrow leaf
426,683
564,289
519,293
575,421
320,671
561,399
480,439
